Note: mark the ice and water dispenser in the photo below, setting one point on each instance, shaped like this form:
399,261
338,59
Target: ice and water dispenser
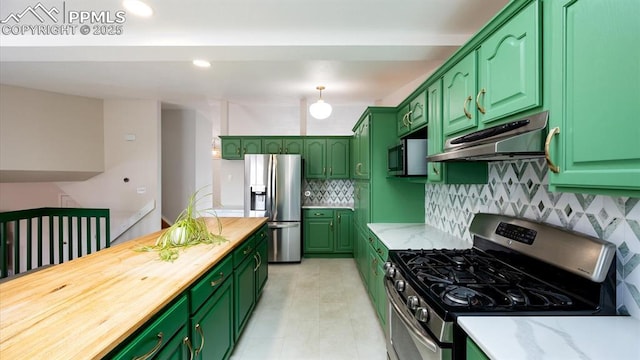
258,198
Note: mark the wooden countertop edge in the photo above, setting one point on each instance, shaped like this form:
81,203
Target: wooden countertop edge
39,302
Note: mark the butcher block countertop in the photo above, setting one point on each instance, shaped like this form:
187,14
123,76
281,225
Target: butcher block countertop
84,308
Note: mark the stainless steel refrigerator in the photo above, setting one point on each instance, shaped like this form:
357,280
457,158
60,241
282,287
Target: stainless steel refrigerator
272,185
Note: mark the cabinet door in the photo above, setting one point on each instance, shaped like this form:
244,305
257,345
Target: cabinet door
155,336
474,352
262,267
594,96
363,171
212,326
272,146
373,266
363,255
293,146
251,146
380,294
355,153
178,348
435,140
318,235
418,113
365,213
344,230
244,293
402,119
509,67
231,149
338,158
315,166
459,89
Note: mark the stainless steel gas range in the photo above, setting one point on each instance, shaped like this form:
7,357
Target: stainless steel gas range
516,267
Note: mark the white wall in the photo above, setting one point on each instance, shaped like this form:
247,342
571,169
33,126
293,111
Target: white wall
186,160
137,160
41,132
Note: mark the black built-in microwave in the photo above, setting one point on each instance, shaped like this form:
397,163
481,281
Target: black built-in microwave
408,158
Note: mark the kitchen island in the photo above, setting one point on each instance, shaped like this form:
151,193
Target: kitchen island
85,308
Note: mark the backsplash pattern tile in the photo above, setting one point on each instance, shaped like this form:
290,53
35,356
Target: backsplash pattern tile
327,192
520,188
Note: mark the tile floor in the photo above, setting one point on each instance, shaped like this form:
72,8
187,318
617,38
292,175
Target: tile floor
316,310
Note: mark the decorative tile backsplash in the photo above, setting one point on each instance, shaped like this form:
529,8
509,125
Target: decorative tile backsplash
327,192
520,188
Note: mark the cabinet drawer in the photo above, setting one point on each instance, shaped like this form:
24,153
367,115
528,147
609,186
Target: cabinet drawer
157,335
243,251
261,235
318,213
381,250
206,286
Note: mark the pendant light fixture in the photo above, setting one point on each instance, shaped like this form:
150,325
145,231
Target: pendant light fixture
320,109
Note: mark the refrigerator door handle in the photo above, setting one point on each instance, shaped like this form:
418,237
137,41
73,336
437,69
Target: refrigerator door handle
282,225
269,197
274,184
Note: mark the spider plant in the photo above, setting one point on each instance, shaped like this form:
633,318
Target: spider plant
189,229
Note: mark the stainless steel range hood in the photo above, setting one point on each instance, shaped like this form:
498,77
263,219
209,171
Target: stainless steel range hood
520,139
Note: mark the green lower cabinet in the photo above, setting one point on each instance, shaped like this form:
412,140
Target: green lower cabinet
262,268
328,233
344,231
244,288
370,259
156,337
381,294
212,326
474,352
178,348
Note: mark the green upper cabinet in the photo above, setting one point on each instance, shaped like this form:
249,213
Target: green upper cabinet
315,155
231,148
500,78
595,96
413,115
418,114
272,146
403,123
360,162
338,158
234,148
293,146
326,158
434,131
459,89
282,146
251,146
509,67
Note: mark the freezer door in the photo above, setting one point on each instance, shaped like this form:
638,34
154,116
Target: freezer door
287,184
285,242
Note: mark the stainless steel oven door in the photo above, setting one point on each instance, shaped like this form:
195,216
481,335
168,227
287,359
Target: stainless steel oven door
406,339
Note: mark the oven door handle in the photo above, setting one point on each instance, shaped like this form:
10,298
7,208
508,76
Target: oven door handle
419,333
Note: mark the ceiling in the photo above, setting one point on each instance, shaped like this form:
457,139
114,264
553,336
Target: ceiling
262,51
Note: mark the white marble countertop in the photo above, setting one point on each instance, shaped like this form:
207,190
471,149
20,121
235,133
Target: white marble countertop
415,236
327,206
555,337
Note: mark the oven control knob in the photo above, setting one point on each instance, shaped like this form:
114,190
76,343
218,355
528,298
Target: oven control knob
391,272
422,315
387,265
413,302
399,285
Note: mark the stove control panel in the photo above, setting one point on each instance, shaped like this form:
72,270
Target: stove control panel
517,233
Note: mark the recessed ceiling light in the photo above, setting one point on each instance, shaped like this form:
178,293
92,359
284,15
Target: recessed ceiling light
201,63
138,7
